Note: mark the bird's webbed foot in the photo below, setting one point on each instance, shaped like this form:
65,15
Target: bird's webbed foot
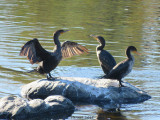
49,77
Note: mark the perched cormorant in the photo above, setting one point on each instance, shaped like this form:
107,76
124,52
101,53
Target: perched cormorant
48,61
124,67
106,60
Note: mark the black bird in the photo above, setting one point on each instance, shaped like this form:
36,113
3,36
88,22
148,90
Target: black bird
106,60
124,67
48,61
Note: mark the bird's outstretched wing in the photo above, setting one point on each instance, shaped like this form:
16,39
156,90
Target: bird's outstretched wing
34,51
72,48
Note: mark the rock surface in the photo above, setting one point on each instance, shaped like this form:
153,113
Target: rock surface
19,108
86,90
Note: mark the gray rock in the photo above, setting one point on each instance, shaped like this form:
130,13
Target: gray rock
11,106
37,106
19,108
100,91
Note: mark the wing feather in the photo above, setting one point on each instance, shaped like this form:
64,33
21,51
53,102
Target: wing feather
70,49
34,51
107,60
75,50
120,70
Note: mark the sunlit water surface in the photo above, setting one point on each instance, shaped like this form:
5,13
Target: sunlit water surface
121,23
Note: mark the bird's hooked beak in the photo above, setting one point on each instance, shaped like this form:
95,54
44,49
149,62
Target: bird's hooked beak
64,31
136,52
61,32
94,36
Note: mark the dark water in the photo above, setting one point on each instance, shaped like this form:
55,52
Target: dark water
121,23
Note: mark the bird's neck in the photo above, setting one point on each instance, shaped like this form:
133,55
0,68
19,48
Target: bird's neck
129,55
100,47
56,41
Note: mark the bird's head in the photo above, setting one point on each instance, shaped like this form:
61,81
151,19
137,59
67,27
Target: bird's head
133,49
59,32
100,39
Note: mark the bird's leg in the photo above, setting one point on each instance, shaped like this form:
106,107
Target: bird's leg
120,86
120,83
49,77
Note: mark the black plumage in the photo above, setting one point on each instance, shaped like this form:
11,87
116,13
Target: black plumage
48,61
124,67
106,60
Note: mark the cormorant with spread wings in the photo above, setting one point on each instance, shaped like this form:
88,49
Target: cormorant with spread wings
48,61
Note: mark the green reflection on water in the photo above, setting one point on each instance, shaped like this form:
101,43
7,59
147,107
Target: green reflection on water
121,23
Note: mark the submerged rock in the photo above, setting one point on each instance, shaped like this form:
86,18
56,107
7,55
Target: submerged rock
101,91
19,108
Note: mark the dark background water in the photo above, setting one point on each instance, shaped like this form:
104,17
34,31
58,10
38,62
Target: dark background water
121,23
